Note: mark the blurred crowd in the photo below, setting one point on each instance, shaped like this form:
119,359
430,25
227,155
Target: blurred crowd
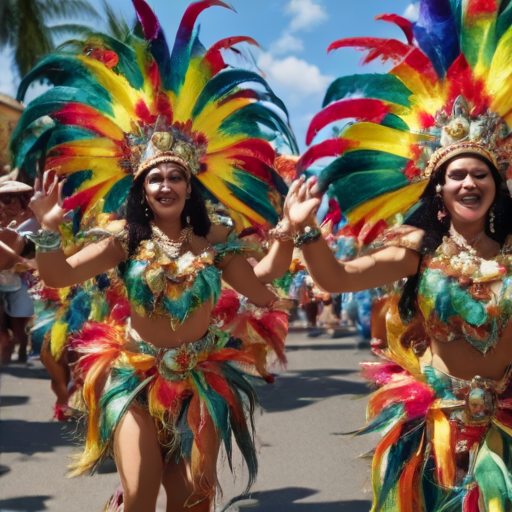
16,270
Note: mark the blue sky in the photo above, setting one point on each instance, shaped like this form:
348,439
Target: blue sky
293,35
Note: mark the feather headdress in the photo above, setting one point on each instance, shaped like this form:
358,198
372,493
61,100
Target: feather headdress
449,90
117,107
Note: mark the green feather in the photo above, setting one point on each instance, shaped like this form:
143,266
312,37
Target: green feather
254,193
395,122
218,409
26,141
357,188
471,310
124,386
492,476
359,161
247,120
224,83
56,98
504,20
370,85
117,195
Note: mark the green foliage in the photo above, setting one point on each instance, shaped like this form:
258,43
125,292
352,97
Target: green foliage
117,25
29,28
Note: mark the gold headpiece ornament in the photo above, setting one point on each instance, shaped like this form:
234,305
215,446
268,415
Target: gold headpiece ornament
461,134
167,144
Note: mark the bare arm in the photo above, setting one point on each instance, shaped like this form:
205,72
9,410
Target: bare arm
383,267
276,262
57,271
241,277
9,257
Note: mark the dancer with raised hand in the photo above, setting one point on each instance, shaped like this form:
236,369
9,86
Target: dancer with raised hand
138,128
431,142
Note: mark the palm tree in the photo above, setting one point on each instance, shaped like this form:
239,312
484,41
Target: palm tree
26,27
117,26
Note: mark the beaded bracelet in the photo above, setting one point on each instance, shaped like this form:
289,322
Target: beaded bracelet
280,233
45,241
309,236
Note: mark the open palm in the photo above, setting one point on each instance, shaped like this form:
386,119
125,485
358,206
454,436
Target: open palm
47,202
300,205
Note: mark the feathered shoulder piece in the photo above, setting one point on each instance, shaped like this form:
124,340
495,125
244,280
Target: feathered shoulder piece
449,91
117,108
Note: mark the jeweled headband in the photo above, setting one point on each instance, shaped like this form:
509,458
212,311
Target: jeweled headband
442,155
166,146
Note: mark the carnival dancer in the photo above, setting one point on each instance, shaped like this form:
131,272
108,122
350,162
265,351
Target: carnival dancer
432,141
139,128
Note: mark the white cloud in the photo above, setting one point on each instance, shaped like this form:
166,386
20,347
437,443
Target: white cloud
297,76
412,12
287,43
305,14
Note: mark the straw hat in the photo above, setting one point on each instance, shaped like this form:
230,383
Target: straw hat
14,187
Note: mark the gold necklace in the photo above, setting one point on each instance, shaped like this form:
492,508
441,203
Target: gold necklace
172,249
463,243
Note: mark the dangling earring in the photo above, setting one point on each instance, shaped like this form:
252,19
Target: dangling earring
188,220
441,214
146,212
492,216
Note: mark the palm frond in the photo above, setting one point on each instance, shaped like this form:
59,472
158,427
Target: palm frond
65,29
116,23
7,22
57,9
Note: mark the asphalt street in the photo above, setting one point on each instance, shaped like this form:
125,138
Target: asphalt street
306,465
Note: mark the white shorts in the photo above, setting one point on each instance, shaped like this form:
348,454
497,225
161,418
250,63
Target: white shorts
18,304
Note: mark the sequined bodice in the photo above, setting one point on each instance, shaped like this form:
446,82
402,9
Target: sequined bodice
158,285
462,296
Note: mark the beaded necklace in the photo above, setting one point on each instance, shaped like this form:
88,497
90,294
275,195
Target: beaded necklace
171,248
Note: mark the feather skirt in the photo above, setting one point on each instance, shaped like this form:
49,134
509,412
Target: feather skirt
447,442
188,391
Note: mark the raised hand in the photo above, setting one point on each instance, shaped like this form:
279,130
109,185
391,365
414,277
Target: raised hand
46,202
302,202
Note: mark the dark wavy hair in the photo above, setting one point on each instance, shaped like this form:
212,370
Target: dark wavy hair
425,217
139,214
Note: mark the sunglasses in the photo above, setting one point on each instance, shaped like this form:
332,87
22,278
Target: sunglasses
7,200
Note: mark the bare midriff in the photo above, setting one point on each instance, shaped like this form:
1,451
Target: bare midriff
158,331
459,359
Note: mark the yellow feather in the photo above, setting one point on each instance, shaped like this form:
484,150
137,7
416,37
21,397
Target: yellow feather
124,97
403,356
90,147
442,447
388,205
422,88
499,79
216,183
59,338
104,166
195,80
481,29
103,190
210,119
381,138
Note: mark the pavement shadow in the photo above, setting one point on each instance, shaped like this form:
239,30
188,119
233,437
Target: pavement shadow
24,504
30,437
285,499
322,346
294,390
25,372
9,401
